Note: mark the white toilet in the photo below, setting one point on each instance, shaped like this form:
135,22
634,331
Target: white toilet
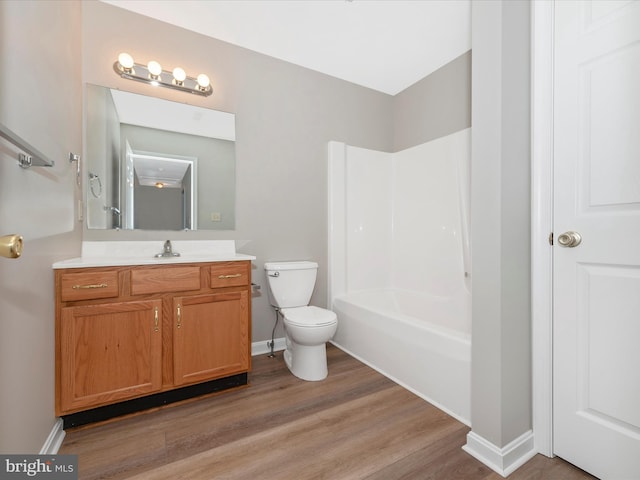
307,328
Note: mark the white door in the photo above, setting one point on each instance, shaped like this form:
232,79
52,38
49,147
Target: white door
597,194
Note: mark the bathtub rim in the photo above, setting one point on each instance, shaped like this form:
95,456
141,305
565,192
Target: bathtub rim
450,333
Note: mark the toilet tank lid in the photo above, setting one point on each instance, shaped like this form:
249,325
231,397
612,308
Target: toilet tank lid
298,265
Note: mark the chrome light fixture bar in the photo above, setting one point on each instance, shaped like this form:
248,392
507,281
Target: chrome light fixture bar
153,74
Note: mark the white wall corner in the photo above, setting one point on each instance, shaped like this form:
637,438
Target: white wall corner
505,460
260,348
542,41
54,440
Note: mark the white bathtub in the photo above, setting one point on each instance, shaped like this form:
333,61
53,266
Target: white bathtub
421,342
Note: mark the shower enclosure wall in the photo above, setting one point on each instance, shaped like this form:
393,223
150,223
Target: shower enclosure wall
399,266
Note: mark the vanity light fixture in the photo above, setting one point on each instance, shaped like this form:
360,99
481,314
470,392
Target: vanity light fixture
153,74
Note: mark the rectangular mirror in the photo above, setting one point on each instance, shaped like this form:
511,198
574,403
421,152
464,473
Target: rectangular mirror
152,164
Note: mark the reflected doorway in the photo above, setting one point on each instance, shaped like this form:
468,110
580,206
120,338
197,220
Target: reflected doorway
160,191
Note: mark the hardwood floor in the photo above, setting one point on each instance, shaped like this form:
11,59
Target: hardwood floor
356,424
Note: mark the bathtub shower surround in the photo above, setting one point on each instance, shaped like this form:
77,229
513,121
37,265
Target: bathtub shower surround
399,264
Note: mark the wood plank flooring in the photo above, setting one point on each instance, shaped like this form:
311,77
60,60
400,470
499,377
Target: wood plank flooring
356,424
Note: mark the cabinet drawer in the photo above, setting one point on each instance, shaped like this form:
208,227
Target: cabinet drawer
231,274
88,285
160,280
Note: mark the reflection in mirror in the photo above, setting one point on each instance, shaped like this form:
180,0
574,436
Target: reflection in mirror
157,165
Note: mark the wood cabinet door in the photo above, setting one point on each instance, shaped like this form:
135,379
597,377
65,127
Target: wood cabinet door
210,336
109,353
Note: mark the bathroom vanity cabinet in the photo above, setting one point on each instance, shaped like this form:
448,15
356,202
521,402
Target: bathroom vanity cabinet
155,333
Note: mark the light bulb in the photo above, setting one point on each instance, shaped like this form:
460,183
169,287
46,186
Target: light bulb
154,68
203,81
179,75
125,60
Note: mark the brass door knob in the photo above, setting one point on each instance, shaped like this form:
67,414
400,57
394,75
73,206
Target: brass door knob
11,246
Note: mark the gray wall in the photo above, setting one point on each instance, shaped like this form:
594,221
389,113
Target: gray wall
40,85
437,105
102,145
156,208
500,221
285,115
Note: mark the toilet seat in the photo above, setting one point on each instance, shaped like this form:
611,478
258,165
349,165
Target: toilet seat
309,316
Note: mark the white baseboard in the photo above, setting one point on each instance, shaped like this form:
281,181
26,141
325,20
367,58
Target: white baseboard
260,348
503,460
54,440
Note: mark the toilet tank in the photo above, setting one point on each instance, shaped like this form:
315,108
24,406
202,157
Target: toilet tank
290,283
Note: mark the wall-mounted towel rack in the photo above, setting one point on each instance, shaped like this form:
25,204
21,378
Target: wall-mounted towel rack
29,157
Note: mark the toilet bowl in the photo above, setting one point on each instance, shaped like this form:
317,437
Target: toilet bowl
307,328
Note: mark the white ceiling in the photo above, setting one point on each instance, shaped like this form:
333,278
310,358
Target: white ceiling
386,45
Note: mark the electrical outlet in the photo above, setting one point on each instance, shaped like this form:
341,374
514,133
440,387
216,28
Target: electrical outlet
216,217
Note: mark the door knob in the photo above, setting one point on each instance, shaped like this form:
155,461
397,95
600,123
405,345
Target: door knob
11,246
569,239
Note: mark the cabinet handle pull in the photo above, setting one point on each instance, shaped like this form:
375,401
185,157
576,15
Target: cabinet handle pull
222,277
179,316
155,320
95,285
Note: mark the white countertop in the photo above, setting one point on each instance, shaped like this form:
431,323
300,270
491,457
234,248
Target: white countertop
119,253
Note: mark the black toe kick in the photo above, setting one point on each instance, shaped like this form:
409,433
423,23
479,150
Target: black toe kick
156,400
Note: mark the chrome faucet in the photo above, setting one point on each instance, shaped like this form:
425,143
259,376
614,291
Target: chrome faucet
167,251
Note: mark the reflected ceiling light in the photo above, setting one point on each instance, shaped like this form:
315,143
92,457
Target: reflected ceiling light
153,74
